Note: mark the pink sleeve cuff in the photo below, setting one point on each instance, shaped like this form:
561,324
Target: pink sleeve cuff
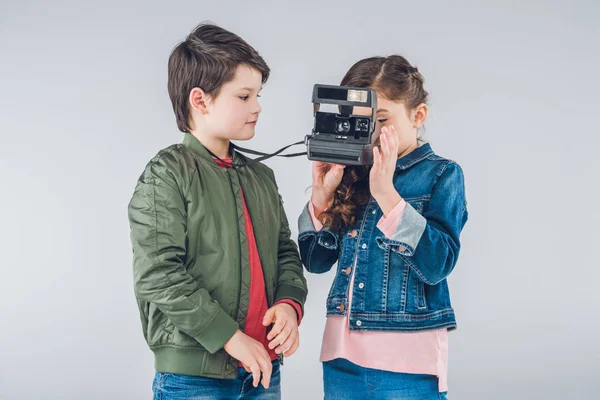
388,224
296,307
316,223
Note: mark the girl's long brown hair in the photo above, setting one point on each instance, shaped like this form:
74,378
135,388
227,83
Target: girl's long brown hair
395,79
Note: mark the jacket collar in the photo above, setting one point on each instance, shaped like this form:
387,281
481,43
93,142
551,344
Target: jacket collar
414,157
193,144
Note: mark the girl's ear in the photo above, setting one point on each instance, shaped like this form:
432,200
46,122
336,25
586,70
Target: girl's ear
419,115
199,100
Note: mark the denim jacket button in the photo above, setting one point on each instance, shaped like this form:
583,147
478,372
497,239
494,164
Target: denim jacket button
364,246
374,212
358,323
347,270
354,233
361,285
341,307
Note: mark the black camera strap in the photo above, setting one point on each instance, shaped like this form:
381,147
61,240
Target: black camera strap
263,156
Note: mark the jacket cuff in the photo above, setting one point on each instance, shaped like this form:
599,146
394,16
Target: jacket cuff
408,232
291,292
214,336
305,224
389,224
318,225
306,229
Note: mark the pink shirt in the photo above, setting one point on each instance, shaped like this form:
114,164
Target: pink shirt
423,352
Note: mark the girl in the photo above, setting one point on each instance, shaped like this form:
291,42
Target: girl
394,230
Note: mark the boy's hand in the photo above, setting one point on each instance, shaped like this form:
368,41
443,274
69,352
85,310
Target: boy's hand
284,335
252,355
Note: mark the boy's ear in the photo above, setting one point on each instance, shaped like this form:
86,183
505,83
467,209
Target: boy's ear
199,100
420,115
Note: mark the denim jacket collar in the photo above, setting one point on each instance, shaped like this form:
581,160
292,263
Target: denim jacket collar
412,158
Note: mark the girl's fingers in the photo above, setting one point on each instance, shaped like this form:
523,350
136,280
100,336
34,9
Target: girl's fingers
376,158
338,171
385,147
382,138
396,139
394,143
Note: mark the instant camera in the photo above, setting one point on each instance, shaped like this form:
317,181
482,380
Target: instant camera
342,137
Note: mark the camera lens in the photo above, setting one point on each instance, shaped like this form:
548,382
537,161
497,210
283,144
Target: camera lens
342,126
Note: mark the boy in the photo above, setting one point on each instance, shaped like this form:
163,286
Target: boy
220,300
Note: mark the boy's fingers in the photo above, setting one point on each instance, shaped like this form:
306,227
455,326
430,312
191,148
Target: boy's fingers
255,374
268,318
277,328
294,347
267,369
283,335
287,343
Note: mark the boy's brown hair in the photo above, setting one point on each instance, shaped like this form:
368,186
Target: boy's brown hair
207,58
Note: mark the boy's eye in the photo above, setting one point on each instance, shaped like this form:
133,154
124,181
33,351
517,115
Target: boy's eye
244,97
381,121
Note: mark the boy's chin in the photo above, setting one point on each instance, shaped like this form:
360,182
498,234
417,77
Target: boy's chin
245,134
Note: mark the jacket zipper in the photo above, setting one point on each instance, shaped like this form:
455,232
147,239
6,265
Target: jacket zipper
239,291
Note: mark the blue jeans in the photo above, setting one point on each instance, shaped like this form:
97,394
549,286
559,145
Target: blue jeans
344,380
184,387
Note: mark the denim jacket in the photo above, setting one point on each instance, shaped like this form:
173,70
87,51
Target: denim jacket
400,281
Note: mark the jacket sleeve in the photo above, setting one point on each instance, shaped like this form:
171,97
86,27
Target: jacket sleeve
157,219
430,243
318,248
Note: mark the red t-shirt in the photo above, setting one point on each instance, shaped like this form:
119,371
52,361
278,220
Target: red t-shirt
258,305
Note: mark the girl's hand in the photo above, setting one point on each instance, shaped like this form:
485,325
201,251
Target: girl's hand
326,178
382,172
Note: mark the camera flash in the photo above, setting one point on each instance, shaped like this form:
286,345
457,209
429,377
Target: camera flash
357,95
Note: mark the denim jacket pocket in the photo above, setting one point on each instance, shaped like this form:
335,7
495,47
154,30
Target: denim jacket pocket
421,300
386,244
418,203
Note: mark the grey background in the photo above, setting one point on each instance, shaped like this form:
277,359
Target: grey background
514,92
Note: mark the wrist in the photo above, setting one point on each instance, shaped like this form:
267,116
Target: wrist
387,201
232,339
289,307
383,192
320,204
